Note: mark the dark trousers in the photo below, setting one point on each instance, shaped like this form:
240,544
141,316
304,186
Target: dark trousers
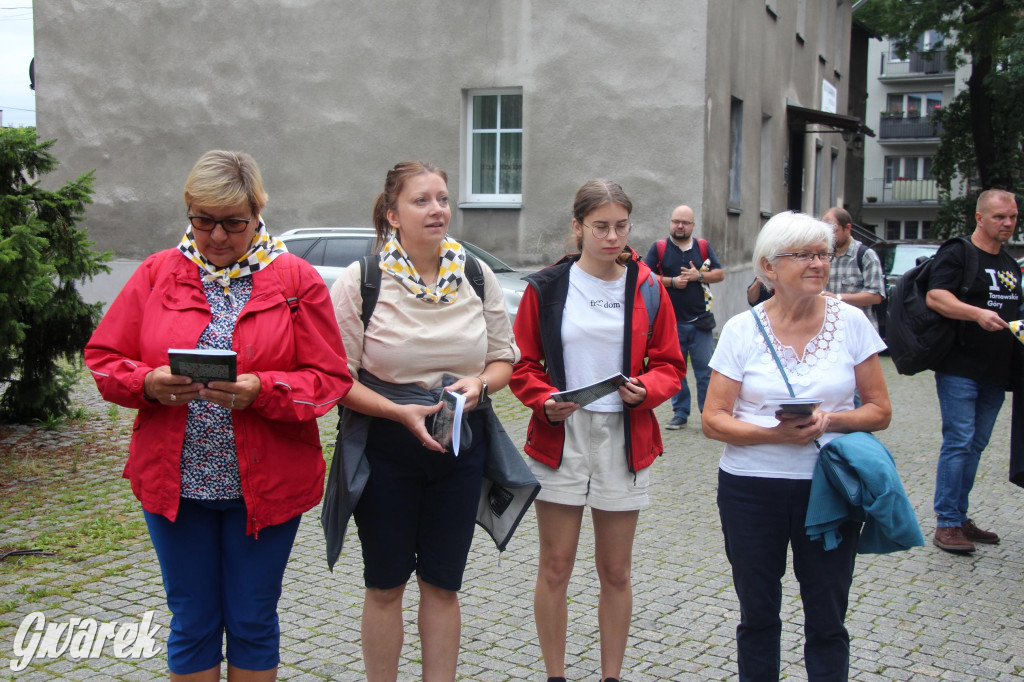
761,517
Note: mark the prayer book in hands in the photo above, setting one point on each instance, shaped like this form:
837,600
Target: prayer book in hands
588,394
448,422
791,405
203,365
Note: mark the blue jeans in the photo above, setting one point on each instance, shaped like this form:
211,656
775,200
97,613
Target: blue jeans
699,344
969,410
761,518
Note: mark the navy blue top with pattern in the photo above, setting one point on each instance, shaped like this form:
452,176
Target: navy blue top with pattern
209,463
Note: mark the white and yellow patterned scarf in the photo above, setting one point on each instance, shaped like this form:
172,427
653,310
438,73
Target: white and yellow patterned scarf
452,258
262,252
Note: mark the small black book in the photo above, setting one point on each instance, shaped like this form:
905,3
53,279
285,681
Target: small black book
203,364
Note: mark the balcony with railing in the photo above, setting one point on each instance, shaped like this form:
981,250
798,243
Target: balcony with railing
900,191
900,126
916,65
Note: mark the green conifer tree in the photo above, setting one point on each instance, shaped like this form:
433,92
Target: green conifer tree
44,253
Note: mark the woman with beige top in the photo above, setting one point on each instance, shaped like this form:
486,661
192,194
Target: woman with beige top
417,510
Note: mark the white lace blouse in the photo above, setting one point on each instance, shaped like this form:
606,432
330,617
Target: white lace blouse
823,369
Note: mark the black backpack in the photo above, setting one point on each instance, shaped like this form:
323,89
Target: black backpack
918,337
369,277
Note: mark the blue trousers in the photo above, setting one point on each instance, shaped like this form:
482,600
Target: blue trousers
700,345
219,580
969,410
761,518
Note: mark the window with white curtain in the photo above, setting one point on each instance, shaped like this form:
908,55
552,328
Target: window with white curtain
493,150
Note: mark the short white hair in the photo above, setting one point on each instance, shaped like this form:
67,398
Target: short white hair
783,233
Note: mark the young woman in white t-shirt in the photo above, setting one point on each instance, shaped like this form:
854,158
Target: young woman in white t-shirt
580,321
829,350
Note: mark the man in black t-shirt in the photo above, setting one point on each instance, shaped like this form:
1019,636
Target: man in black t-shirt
972,379
685,265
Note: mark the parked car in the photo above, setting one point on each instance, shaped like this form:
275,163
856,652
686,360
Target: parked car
897,257
332,249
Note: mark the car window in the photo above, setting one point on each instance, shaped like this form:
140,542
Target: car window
906,257
341,252
301,248
493,263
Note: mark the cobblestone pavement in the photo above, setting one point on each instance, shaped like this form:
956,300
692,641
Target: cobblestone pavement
913,615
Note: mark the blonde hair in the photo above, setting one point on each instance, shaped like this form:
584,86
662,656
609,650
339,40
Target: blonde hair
222,178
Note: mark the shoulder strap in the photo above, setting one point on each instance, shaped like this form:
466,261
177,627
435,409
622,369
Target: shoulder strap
475,275
970,266
369,285
291,286
154,272
652,301
662,244
702,244
771,347
860,256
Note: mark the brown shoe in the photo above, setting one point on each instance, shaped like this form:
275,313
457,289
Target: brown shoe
952,539
975,534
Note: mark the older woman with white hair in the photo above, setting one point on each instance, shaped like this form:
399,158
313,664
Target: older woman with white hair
797,344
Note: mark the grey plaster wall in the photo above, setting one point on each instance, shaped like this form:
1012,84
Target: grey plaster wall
327,95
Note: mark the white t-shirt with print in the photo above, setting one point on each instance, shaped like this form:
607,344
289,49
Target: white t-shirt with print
825,370
592,331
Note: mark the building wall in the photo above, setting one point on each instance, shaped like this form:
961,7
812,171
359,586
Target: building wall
757,57
328,95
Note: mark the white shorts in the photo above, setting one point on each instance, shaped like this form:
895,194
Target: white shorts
594,470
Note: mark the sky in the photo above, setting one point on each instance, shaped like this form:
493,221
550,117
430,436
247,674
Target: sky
17,100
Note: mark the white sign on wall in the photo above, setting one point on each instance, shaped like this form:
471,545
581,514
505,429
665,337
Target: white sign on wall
829,94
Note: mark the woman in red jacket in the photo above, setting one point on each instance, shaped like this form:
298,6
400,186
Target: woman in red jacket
592,304
223,470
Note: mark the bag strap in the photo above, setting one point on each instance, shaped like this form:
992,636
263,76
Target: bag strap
661,245
369,286
778,362
861,248
652,301
291,286
702,244
771,347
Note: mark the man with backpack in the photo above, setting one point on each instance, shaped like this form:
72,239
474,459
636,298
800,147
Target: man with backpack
971,379
686,265
856,273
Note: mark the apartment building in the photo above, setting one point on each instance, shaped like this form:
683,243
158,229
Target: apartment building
904,93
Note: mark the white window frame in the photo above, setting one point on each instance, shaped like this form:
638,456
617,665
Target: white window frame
468,198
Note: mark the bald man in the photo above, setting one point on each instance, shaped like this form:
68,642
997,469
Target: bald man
972,379
684,264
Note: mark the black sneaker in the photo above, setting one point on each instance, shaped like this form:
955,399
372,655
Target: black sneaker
675,424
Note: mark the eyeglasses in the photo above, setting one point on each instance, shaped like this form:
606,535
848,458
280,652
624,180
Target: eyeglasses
682,222
230,225
601,231
805,257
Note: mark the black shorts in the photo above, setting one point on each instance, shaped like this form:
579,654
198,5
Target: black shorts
418,509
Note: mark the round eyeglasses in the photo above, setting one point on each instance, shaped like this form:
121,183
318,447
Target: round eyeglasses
601,231
230,225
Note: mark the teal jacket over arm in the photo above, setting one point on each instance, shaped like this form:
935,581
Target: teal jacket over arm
855,479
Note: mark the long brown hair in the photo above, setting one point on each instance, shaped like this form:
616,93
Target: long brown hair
388,199
593,195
